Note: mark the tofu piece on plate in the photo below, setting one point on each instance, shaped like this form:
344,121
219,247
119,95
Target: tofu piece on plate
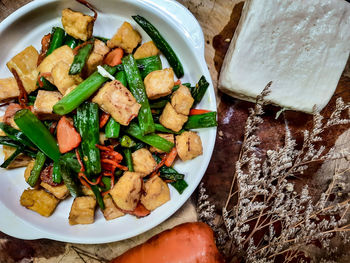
25,64
21,160
82,211
188,145
8,89
143,161
182,100
63,53
96,57
156,193
39,201
77,24
118,101
301,46
45,100
111,211
147,49
167,136
159,83
61,78
126,37
171,119
59,191
126,192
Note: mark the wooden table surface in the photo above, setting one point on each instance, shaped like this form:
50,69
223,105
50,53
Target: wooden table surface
218,19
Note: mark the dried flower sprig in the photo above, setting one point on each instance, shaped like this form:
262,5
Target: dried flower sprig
264,216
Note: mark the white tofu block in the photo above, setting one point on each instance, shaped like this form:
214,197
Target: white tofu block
301,46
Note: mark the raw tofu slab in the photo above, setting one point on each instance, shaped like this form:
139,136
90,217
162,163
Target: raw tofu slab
300,45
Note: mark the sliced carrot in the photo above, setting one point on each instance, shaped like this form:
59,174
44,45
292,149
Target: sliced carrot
140,211
170,158
198,111
114,57
178,82
103,119
68,138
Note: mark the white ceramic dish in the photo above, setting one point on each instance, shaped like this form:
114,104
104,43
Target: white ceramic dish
26,27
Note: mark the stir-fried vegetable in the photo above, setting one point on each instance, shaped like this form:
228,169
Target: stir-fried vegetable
80,59
199,90
13,156
57,38
137,88
205,120
38,166
148,64
71,42
87,123
151,139
43,83
36,131
82,92
16,135
162,44
68,179
128,158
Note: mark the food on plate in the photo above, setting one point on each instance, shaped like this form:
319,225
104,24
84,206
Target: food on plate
301,46
187,243
93,120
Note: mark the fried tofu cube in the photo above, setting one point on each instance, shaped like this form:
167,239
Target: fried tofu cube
182,100
143,161
126,192
39,201
61,78
77,24
63,53
96,57
25,64
159,83
188,145
171,119
8,89
87,191
118,101
126,37
111,211
168,137
82,211
44,102
59,191
147,49
21,160
156,193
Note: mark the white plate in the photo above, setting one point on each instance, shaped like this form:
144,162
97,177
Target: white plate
26,27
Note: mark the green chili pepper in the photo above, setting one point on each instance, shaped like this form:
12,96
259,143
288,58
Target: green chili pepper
80,59
38,166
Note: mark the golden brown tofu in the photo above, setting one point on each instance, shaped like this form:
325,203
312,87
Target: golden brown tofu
2,133
25,65
21,160
63,53
96,57
143,161
28,170
77,24
126,37
39,201
171,119
59,191
188,145
111,211
61,78
156,193
87,191
44,102
146,50
82,211
118,101
159,83
182,100
167,136
8,89
126,192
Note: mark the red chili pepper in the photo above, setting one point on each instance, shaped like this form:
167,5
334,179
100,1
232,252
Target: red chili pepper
198,112
104,119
